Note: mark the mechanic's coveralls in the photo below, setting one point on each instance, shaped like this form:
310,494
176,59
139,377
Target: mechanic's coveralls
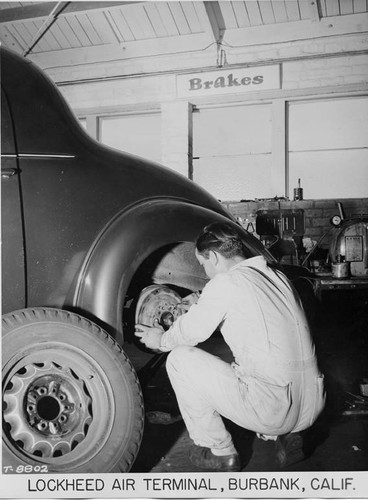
274,385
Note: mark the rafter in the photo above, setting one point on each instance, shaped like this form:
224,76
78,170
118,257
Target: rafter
315,10
46,25
215,20
43,9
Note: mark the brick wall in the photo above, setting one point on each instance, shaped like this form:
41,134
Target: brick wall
317,213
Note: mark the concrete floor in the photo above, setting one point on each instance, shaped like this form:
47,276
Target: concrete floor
338,441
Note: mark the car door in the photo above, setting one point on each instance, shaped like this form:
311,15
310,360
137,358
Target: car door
13,248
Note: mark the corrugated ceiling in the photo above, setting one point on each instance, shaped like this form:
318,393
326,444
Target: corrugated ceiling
87,24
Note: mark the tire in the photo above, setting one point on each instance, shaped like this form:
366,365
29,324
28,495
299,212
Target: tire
72,402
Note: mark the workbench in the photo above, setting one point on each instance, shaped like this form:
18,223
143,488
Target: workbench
328,282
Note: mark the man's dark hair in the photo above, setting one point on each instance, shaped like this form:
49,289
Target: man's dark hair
225,238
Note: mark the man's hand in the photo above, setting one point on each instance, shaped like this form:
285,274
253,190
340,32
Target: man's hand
150,336
187,302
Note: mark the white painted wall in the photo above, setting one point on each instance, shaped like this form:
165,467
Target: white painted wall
138,134
328,147
318,77
232,147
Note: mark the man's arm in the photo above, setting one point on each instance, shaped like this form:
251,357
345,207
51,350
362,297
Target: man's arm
202,319
196,325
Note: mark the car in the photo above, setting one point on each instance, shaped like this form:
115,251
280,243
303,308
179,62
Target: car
93,239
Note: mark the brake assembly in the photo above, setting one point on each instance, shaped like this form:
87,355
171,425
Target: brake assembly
157,304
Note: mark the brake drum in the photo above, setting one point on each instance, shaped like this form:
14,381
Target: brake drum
157,303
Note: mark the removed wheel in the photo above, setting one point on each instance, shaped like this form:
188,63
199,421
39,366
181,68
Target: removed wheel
71,398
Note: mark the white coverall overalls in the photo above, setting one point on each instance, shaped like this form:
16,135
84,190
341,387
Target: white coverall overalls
273,386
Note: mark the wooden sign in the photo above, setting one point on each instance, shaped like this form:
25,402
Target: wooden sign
229,81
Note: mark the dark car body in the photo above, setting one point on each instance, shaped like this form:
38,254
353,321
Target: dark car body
83,225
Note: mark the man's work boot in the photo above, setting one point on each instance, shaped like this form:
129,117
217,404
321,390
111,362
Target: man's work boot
204,459
289,449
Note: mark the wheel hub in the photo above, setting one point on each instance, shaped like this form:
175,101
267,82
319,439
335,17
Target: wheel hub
47,409
51,405
157,303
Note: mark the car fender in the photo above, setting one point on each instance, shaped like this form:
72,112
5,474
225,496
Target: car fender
124,244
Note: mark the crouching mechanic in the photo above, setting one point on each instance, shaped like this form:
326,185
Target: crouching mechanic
273,387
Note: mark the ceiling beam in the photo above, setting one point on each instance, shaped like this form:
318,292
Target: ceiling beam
46,25
315,10
43,9
215,20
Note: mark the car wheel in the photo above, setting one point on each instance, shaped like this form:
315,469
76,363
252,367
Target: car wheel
71,398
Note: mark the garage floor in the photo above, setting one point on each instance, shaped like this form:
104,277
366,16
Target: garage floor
338,441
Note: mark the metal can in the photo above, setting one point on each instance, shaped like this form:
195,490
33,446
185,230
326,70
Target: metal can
340,269
298,194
